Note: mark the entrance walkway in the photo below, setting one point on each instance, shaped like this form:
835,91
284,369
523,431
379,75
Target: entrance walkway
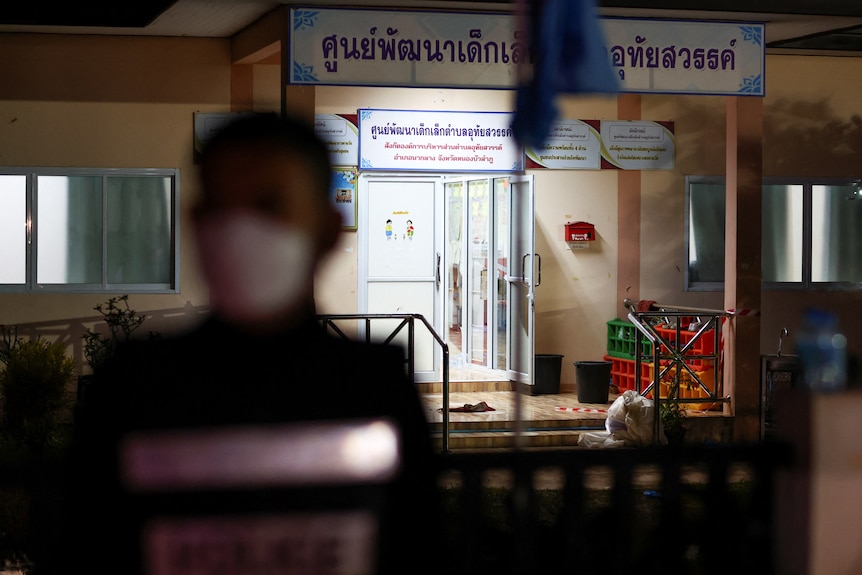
545,421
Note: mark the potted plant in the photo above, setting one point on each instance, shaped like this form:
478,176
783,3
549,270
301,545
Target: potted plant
672,417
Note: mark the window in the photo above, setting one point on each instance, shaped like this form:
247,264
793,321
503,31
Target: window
78,230
811,233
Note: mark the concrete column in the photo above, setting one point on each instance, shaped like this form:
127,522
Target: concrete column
295,100
628,217
259,42
742,266
241,88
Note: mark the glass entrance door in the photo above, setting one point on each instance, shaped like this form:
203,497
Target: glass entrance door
462,258
469,271
478,245
523,275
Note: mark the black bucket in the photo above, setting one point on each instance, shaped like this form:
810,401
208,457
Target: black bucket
547,376
593,379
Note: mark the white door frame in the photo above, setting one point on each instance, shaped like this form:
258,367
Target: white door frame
520,320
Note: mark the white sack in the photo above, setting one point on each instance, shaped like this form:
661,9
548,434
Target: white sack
630,419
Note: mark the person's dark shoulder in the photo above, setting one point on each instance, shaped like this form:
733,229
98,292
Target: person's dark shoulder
138,368
136,358
380,366
372,353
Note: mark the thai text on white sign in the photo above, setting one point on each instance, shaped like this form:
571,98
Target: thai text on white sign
412,48
637,145
439,141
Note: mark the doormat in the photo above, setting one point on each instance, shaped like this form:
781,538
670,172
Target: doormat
470,408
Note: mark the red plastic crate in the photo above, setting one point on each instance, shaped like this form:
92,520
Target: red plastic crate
623,373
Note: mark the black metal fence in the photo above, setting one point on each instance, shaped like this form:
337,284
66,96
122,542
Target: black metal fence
663,510
692,509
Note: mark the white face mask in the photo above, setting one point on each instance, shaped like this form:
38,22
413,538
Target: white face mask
256,267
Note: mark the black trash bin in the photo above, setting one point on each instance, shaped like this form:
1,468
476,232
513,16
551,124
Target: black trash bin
547,376
593,380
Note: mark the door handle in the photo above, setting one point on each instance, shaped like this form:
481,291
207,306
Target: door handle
523,278
538,269
437,278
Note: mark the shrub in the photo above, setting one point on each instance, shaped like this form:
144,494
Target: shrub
34,388
121,320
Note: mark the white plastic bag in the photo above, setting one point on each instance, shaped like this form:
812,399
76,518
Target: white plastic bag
630,419
629,423
616,420
599,439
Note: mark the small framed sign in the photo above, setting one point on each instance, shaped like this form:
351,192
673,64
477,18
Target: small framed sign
343,194
208,123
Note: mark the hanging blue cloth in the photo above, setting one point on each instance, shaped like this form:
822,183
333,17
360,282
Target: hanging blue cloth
569,55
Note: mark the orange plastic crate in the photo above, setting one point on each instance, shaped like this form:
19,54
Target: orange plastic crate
691,390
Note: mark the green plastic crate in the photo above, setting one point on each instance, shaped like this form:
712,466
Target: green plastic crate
622,335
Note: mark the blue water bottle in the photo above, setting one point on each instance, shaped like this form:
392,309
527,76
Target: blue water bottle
822,352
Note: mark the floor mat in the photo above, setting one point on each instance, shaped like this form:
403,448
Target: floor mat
471,408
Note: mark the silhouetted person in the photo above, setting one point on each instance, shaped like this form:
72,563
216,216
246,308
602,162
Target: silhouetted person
260,359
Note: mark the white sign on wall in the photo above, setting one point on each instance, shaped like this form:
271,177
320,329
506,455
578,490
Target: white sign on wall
637,145
413,140
571,145
404,48
375,47
206,124
341,137
687,57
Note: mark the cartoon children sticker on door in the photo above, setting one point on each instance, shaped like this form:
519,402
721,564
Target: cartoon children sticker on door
399,224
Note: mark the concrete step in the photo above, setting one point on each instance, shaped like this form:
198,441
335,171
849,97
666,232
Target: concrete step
469,440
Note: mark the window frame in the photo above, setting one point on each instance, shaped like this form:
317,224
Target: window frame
31,286
806,284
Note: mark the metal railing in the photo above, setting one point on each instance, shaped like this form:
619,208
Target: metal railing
408,321
671,357
652,509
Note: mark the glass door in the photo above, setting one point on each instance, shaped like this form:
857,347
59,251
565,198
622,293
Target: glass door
479,237
469,271
455,263
523,275
478,247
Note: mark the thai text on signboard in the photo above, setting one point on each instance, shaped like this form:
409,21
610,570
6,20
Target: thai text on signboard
370,47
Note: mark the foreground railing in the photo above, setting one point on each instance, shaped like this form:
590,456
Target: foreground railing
690,509
408,322
657,509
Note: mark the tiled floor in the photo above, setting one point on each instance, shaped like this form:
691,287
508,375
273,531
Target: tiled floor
516,420
547,420
509,406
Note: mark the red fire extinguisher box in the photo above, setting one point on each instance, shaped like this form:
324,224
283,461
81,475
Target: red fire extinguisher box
580,232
